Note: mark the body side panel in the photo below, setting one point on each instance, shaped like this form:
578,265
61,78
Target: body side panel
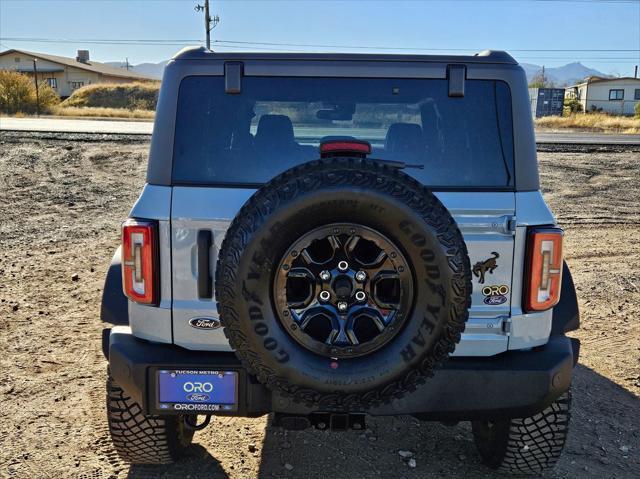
527,330
154,322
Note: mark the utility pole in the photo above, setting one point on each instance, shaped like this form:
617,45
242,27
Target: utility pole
635,75
543,82
209,23
127,63
35,77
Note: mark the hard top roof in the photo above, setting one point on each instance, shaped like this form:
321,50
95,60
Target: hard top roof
486,56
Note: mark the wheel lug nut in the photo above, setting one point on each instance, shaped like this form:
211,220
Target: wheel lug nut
325,275
325,295
361,276
343,266
361,296
342,306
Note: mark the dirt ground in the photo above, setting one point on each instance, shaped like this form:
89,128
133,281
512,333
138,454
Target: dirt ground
61,203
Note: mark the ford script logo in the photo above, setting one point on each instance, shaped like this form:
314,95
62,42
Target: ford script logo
196,397
205,323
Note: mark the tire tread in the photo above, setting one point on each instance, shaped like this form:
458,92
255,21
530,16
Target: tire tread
528,445
140,438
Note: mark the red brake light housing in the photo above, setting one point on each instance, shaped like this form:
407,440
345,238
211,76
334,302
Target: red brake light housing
544,268
140,261
346,147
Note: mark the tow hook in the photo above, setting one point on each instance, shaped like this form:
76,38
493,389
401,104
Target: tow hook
191,422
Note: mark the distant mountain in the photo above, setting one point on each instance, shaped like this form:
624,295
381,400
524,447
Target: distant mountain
566,75
153,70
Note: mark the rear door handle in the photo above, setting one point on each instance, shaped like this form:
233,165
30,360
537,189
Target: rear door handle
204,262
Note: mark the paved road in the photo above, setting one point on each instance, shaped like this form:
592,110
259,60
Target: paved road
145,127
70,125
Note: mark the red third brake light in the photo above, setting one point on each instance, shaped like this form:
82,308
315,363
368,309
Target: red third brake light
344,148
544,269
139,264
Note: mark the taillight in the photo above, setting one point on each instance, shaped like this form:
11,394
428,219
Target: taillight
139,261
544,269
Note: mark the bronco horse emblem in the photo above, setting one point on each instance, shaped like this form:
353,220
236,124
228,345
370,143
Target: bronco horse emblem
487,266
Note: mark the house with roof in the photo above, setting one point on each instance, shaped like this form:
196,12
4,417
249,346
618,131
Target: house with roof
617,96
65,74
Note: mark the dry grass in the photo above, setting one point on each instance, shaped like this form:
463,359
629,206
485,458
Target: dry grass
97,112
134,96
597,122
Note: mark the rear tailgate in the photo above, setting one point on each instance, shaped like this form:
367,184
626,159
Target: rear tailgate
485,219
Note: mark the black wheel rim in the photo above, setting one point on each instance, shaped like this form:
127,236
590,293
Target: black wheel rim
343,290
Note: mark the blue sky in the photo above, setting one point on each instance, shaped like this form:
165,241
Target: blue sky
469,25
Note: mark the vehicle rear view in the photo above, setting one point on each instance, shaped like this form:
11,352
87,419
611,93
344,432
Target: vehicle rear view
326,237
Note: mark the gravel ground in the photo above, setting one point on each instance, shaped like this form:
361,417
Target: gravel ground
62,199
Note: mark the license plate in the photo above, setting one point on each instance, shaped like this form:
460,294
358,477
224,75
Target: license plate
194,391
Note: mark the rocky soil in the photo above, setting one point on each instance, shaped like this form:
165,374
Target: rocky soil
62,198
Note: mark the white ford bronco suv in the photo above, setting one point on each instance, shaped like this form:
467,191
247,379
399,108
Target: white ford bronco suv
324,237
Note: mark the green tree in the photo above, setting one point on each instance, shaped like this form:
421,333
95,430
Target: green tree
540,81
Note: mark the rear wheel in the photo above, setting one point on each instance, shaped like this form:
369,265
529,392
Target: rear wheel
140,438
527,445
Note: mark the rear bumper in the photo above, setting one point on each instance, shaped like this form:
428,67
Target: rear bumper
512,384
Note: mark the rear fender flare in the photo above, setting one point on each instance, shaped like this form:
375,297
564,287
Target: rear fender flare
566,315
115,305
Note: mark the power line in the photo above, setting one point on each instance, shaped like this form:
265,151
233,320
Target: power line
228,43
432,1
100,41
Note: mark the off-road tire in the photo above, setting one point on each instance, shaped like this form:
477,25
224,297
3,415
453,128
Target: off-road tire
528,445
311,196
142,439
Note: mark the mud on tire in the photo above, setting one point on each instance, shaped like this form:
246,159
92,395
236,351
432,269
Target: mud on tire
333,192
528,445
142,439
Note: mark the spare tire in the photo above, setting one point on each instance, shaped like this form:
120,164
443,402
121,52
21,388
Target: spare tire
343,283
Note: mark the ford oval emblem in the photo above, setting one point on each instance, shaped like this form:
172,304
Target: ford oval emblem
495,300
205,323
198,397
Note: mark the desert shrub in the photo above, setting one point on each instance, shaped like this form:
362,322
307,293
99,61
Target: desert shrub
131,96
18,94
571,106
637,109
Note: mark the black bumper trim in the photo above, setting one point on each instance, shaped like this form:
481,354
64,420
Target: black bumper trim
512,384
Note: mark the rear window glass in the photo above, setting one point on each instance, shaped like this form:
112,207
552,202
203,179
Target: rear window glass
279,122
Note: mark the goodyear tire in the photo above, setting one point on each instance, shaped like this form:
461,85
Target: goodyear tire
140,438
360,208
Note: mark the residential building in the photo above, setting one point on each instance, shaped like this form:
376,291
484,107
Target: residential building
64,74
617,96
